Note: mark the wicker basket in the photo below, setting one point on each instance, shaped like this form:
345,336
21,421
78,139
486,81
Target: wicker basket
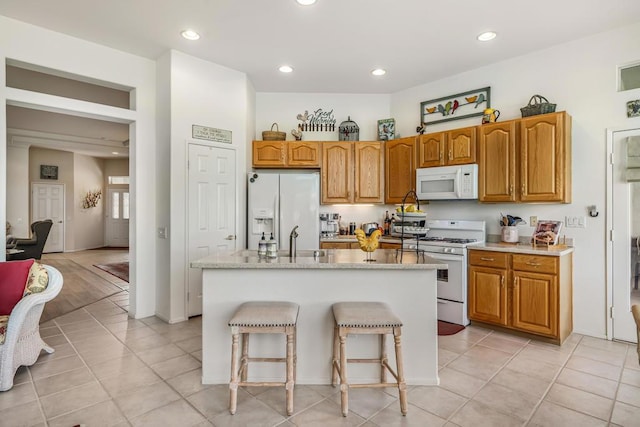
271,135
537,106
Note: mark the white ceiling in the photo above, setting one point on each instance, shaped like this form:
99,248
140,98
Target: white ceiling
334,44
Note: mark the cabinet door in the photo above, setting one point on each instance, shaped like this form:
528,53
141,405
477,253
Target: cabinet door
535,303
269,154
400,171
461,146
544,160
337,172
487,295
303,154
369,172
431,149
497,162
389,245
335,245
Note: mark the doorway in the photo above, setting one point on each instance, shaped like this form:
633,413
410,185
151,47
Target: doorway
623,258
211,211
117,218
47,202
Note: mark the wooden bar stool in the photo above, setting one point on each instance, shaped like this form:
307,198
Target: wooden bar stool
262,317
366,318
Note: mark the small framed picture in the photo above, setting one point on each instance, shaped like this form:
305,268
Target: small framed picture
386,129
633,108
48,172
547,232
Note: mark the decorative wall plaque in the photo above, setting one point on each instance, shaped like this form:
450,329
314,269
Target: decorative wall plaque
211,134
318,121
48,172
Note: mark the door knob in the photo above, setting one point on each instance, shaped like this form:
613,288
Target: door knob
230,237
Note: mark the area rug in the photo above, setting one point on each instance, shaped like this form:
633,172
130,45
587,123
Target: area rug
446,328
118,269
82,286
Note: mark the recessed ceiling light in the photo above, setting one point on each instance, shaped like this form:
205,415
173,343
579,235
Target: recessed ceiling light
190,35
305,2
486,36
115,152
285,69
379,72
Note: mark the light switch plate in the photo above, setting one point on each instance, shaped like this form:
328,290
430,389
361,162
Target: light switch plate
533,221
162,232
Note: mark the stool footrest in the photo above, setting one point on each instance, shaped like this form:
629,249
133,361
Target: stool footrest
266,359
375,385
364,361
261,384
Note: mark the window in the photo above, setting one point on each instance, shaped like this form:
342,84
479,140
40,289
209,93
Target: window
629,77
119,180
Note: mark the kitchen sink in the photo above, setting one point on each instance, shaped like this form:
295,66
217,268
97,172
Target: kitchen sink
303,253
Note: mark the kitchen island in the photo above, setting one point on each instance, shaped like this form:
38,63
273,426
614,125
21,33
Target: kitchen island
407,284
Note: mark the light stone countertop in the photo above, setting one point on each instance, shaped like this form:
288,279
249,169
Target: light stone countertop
524,248
353,259
352,238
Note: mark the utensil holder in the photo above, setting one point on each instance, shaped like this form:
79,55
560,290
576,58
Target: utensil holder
510,234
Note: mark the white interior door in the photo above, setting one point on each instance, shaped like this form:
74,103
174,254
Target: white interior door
211,212
117,218
47,202
626,229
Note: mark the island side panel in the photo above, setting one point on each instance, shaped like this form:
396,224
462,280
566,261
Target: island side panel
410,293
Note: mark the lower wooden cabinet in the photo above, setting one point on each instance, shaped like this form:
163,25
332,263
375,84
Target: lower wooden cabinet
523,292
389,245
339,245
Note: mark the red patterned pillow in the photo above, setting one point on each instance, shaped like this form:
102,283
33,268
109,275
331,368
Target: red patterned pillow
13,277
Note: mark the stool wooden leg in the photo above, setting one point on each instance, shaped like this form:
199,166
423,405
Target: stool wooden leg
383,358
233,384
344,386
289,361
402,386
244,364
336,356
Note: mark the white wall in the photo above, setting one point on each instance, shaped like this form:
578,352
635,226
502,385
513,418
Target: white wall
205,94
18,192
283,108
35,45
580,77
88,175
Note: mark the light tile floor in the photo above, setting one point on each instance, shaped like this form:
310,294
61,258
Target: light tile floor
110,370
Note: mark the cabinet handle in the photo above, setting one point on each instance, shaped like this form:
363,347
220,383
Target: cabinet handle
450,154
487,259
511,189
535,264
502,282
515,282
524,190
440,156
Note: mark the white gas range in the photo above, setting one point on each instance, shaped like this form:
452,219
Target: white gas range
447,241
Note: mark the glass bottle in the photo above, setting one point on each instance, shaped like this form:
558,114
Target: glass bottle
262,246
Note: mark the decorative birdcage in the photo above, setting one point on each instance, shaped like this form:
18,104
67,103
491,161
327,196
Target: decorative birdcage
348,130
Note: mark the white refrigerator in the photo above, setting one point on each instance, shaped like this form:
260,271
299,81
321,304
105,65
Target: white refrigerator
277,202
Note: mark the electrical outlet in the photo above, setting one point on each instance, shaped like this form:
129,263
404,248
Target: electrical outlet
533,221
575,221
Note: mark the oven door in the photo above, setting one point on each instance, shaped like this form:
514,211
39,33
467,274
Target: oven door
451,282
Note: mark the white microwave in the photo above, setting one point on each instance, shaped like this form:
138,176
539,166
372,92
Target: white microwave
447,182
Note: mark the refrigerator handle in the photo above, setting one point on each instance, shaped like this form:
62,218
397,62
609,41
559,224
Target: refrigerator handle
276,218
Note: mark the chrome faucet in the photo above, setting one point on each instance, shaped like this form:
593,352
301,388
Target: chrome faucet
292,242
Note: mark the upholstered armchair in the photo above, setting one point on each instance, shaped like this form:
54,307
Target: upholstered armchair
22,341
31,247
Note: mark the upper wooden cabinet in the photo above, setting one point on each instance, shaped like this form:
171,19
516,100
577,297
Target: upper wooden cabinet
286,154
545,158
400,173
455,147
352,172
526,160
497,162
